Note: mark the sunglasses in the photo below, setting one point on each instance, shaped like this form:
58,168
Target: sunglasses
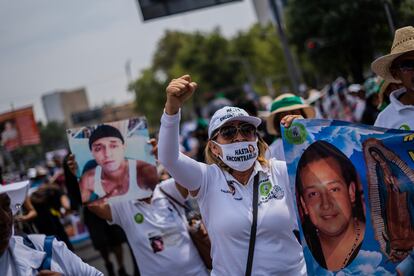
406,65
229,132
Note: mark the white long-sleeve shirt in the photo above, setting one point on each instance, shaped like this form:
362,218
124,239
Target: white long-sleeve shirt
226,208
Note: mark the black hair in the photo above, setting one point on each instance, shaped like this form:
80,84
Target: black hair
5,202
103,131
322,150
6,224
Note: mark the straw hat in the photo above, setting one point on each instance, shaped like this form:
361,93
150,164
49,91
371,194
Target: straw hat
287,102
403,43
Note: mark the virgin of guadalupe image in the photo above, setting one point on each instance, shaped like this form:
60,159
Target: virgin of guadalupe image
391,197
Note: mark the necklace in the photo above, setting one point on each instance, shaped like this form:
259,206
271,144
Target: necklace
355,245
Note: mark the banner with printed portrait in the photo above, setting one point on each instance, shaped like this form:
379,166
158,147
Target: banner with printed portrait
114,160
18,128
354,192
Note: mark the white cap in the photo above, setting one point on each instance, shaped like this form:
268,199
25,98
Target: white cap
17,193
228,114
355,88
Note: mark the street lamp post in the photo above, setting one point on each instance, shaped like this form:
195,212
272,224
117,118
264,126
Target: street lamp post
292,70
389,17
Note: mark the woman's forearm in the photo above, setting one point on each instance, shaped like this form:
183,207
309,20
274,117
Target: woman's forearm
186,171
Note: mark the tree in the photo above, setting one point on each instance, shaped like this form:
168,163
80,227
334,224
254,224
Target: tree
350,33
261,48
220,65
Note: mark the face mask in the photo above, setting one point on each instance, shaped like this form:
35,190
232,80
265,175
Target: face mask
239,156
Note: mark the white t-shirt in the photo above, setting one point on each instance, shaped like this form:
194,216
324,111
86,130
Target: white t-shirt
226,208
275,150
158,235
396,114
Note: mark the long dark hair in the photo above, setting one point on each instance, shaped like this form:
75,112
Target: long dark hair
317,151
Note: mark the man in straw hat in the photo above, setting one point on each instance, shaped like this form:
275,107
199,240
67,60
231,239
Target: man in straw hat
32,254
285,104
398,67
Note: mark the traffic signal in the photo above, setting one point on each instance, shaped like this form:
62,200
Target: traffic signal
312,44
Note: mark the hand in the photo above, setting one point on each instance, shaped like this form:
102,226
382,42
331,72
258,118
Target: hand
178,91
154,144
19,218
73,166
48,273
288,119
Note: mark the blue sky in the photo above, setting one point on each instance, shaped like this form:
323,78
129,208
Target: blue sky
48,45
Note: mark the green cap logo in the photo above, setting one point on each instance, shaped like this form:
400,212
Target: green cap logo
296,134
265,188
139,218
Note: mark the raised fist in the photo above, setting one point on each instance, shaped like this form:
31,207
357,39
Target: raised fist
178,91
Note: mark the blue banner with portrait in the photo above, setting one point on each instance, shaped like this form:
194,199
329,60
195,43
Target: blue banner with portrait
354,192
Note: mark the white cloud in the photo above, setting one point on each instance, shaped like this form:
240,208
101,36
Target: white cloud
347,139
367,263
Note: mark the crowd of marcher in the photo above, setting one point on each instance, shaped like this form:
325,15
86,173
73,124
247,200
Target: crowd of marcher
205,214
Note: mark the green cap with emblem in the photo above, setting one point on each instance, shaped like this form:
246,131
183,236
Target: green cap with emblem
287,102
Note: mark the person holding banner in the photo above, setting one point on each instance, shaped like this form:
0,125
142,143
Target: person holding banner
32,254
285,104
154,226
245,200
330,204
113,174
398,67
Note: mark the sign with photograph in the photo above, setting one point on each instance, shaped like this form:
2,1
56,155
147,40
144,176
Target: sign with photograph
354,191
18,128
112,158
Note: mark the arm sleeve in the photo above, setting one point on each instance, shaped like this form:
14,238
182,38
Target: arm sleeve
73,264
186,171
116,210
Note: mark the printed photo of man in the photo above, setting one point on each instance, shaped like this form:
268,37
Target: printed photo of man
330,203
110,174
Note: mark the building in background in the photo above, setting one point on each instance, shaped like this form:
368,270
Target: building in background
107,113
60,105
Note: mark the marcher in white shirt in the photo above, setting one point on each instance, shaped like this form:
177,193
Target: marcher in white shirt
224,189
17,258
398,67
285,104
156,230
